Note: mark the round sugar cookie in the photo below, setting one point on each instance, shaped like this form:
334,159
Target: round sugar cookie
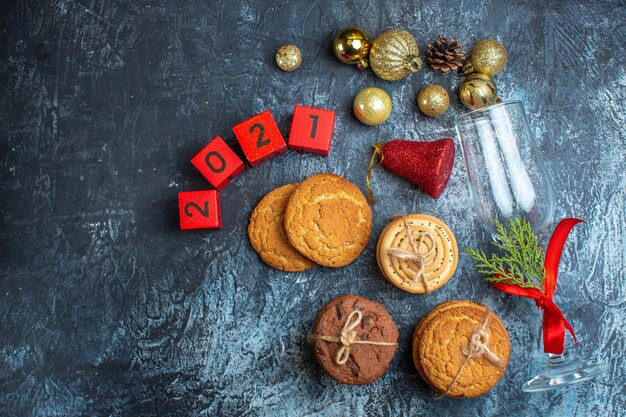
441,341
267,233
435,242
328,220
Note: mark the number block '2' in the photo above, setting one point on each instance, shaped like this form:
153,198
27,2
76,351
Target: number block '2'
199,210
260,138
311,130
218,163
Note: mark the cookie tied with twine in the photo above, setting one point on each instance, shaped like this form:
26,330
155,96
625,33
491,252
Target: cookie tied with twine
417,253
354,339
461,349
348,337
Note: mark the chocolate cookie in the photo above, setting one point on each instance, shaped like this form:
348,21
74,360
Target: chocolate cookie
267,233
422,261
354,339
461,349
328,220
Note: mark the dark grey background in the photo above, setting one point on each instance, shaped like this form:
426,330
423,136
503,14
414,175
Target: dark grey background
106,308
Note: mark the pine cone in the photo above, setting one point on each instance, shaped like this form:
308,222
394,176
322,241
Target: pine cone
445,55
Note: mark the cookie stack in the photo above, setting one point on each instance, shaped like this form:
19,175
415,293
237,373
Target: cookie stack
354,339
324,220
461,349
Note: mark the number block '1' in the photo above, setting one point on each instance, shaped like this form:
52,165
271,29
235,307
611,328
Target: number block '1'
199,210
311,130
260,138
218,163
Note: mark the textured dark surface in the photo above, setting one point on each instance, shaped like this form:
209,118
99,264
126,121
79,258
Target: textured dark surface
106,308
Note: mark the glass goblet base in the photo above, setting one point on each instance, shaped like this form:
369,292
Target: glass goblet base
563,370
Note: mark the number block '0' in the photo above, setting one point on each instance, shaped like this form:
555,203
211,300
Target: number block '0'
218,163
199,210
260,138
311,130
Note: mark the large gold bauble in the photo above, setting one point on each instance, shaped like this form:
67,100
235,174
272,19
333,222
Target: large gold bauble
487,56
394,55
288,57
478,90
433,100
351,46
372,106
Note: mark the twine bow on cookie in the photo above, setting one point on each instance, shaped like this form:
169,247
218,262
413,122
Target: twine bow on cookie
414,255
478,345
348,337
476,348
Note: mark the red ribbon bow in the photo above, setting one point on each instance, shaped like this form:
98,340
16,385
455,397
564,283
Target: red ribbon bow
554,323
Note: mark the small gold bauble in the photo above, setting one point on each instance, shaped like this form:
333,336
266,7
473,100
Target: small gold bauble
487,56
372,106
288,57
351,46
478,90
433,100
394,55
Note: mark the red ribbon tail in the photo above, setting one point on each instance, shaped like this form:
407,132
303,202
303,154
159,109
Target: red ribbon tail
553,333
554,323
557,315
554,251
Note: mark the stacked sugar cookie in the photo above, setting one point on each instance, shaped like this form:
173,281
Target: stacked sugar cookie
324,220
461,349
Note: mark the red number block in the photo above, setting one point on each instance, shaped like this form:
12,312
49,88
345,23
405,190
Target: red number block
311,130
199,210
218,163
260,138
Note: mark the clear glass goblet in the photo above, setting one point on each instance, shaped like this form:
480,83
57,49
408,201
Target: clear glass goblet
507,179
506,174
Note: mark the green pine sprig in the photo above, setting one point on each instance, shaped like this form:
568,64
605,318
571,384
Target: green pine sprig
520,258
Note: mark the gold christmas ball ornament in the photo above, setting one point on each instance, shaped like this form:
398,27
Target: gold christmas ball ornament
394,55
487,56
372,106
433,100
351,46
478,90
288,57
